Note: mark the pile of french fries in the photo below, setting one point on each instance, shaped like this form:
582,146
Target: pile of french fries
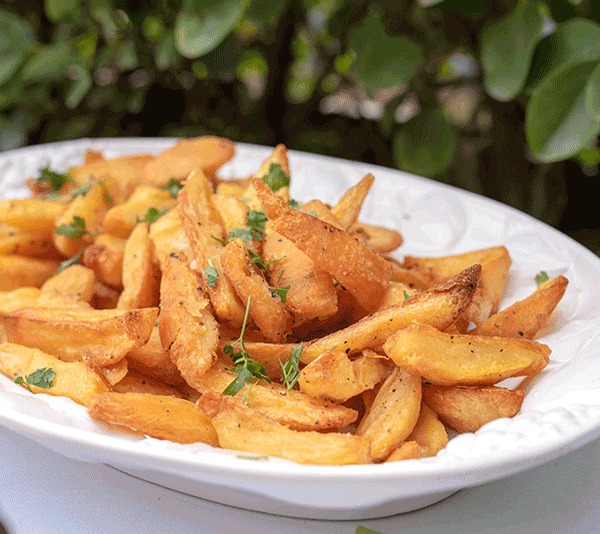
180,306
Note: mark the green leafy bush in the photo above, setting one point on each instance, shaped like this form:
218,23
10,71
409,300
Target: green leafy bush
499,97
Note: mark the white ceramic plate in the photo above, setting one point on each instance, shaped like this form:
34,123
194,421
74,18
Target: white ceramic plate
561,411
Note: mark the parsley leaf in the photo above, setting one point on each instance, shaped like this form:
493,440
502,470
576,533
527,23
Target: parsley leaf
41,378
255,221
75,230
55,180
294,204
173,186
541,277
406,296
71,261
107,196
290,370
81,190
259,262
365,530
246,368
276,178
211,274
281,291
152,215
244,234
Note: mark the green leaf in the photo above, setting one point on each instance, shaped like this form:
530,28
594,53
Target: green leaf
58,9
557,123
166,53
290,370
211,274
507,49
74,230
592,94
281,292
16,38
49,63
276,178
381,60
55,180
425,145
41,378
541,277
82,83
575,41
152,215
173,186
202,25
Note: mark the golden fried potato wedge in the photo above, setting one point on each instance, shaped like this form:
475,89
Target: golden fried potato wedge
120,220
494,262
526,317
16,241
393,415
169,237
334,377
396,293
73,379
187,155
102,337
31,214
137,382
378,238
157,416
462,359
266,307
467,409
429,432
22,271
361,271
409,450
291,408
439,306
187,328
322,211
15,299
105,257
347,209
76,281
235,187
141,276
242,428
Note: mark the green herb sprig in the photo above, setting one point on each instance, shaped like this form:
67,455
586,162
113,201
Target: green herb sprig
211,274
173,187
152,215
276,178
55,180
41,378
290,370
541,277
74,230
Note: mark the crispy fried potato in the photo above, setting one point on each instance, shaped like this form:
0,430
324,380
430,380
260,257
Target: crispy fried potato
102,337
187,328
137,382
233,187
409,450
467,409
16,241
22,271
187,155
290,408
526,317
494,262
92,155
361,271
319,209
266,307
393,414
439,306
157,416
347,209
105,257
396,293
242,428
105,297
455,359
429,432
169,237
141,276
378,238
120,220
334,377
73,379
76,281
277,157
112,373
31,214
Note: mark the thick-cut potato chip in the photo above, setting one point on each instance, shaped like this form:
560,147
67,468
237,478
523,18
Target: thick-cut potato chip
23,271
105,257
439,306
266,306
429,432
31,214
361,271
467,409
141,276
378,238
73,379
347,209
157,416
76,281
393,414
242,428
409,450
101,336
334,377
455,359
526,317
16,241
291,408
187,328
203,153
169,237
396,293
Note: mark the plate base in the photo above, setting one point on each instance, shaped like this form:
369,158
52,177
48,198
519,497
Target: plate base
262,503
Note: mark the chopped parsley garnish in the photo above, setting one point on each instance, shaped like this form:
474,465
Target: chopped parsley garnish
246,368
81,190
173,186
365,530
276,178
406,296
294,204
152,215
41,378
75,230
71,261
55,180
107,196
263,265
211,274
541,277
255,221
281,291
290,370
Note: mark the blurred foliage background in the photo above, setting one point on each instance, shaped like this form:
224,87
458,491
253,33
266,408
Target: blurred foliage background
500,97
